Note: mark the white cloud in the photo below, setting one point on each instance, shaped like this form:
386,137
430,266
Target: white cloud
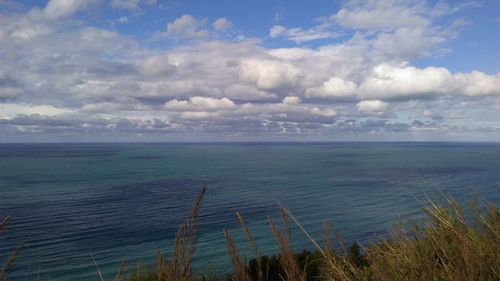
372,106
199,115
186,26
57,9
335,87
269,74
156,65
124,104
222,24
390,81
10,110
30,32
406,43
132,5
125,4
276,31
200,104
292,100
382,14
290,109
291,53
477,83
300,35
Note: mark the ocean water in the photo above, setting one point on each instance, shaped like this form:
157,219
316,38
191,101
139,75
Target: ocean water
122,202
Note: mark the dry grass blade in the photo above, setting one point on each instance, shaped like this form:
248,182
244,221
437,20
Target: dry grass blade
120,271
287,259
191,226
9,263
191,241
328,240
178,267
240,271
253,246
4,222
335,266
98,270
303,230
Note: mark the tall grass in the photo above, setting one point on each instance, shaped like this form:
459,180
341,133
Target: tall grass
447,247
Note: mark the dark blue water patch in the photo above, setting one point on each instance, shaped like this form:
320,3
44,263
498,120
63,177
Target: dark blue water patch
145,157
346,155
439,171
55,151
170,188
116,216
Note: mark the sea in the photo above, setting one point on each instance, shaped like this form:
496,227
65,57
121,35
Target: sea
71,204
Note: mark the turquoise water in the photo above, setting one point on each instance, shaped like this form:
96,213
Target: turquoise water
124,201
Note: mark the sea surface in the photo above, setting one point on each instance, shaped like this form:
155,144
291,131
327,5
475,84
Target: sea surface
122,202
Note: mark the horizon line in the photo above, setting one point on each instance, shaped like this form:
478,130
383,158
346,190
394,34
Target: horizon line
252,142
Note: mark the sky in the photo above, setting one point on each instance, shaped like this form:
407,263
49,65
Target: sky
261,70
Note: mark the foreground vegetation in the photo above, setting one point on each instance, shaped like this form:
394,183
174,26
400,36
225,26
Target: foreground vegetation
449,245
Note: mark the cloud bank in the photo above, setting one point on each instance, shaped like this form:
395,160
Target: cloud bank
64,79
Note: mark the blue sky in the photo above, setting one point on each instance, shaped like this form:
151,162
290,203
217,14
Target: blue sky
145,70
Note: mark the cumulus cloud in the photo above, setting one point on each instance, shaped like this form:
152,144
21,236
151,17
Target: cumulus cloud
222,24
335,87
372,106
158,65
404,81
10,110
57,9
477,83
389,81
291,100
186,26
269,74
291,53
200,104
